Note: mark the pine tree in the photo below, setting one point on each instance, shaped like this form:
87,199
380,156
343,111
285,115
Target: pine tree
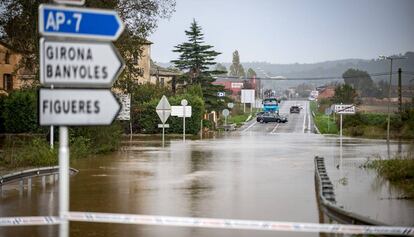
195,60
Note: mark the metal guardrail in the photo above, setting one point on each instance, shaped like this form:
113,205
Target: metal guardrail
327,202
31,173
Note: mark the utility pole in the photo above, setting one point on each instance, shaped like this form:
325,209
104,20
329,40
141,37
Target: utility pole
400,109
391,58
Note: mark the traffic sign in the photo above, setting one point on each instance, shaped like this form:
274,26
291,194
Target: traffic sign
92,23
125,112
230,105
184,102
328,111
179,111
72,2
66,107
345,109
221,94
163,125
226,112
79,64
163,109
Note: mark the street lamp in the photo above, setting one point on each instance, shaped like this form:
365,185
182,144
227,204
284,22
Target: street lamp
391,58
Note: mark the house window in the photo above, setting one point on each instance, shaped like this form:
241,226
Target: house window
7,82
7,58
162,81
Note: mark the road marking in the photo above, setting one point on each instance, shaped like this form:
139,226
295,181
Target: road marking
309,119
251,125
304,117
274,129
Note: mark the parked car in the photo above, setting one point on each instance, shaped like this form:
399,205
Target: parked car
271,117
294,109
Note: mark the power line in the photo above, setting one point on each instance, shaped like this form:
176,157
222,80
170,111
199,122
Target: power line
305,78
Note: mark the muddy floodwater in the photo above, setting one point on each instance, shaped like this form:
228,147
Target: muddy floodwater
246,175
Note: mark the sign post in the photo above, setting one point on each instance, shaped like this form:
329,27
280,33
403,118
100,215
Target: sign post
343,109
63,180
66,63
226,113
184,103
164,111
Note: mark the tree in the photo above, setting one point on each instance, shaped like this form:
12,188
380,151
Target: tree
345,94
236,69
19,21
195,60
361,81
251,73
221,69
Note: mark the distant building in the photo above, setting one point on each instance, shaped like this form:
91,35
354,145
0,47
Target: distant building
235,85
326,93
11,77
163,76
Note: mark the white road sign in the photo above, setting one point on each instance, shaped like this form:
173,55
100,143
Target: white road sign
163,125
179,111
163,109
67,107
345,109
125,112
247,96
79,64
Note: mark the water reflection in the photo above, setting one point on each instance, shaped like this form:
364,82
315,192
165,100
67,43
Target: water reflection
254,176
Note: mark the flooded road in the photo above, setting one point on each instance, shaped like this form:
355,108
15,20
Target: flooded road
259,175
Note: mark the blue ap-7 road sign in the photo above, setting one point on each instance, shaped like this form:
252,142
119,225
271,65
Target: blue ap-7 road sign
79,22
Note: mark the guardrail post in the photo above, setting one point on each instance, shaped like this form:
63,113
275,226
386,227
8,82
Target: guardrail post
21,186
43,181
29,184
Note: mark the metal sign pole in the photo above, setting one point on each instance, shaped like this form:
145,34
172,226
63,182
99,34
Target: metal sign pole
184,123
340,143
51,138
163,130
201,130
63,180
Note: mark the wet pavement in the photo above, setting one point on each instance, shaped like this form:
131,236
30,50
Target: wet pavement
259,173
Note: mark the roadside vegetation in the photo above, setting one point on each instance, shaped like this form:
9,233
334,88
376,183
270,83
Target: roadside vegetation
325,123
361,124
399,171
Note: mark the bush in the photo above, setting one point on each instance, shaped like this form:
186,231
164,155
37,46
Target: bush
19,112
149,120
96,139
399,171
18,153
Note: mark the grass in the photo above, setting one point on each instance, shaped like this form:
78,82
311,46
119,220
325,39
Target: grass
37,152
325,123
238,119
399,171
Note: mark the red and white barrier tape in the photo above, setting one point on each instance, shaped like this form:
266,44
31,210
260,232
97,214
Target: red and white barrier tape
210,223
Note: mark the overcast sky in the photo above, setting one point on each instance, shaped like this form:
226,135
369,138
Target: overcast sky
289,31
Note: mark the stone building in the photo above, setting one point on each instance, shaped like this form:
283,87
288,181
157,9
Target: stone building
163,76
10,76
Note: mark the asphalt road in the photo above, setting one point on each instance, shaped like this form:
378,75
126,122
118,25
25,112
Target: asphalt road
297,123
